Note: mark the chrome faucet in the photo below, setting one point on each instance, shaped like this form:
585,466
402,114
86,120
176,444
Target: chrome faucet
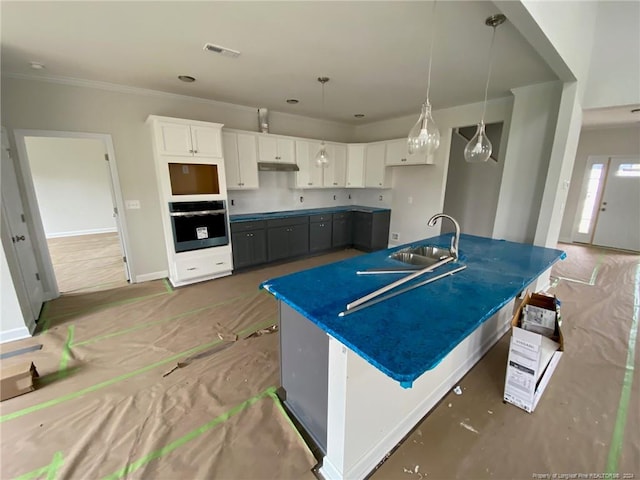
455,240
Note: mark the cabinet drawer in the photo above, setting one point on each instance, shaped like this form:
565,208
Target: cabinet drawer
202,265
246,226
288,221
323,217
342,216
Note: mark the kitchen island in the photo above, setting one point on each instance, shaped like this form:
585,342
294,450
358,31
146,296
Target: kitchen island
359,383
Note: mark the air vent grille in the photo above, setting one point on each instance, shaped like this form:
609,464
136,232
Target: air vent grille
227,52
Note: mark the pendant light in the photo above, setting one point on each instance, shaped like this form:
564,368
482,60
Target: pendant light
424,137
322,157
479,148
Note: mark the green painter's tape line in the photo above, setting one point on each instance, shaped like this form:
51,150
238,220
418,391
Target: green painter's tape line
157,322
51,470
625,395
66,353
106,383
56,463
167,285
103,305
132,467
278,403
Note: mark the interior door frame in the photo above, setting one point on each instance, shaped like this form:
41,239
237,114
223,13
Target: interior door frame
40,240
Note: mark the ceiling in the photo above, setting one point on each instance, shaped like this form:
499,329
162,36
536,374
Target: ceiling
612,116
376,53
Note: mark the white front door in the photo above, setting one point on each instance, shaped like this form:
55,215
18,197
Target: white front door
14,213
618,218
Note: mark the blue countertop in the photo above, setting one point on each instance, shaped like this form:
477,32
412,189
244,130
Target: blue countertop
246,217
412,332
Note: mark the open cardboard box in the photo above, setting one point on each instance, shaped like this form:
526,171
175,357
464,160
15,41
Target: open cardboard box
532,357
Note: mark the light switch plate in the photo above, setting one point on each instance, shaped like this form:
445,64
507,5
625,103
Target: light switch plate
132,204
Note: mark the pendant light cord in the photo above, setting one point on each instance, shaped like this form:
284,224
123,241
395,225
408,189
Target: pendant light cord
433,35
486,87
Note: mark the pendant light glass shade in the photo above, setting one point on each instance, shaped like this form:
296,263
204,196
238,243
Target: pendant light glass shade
424,137
479,148
322,157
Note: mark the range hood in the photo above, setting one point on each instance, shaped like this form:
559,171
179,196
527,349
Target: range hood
277,167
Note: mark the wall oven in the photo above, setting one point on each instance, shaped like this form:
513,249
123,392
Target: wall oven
198,225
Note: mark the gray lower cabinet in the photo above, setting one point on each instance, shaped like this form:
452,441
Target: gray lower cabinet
249,243
371,230
320,227
341,235
287,237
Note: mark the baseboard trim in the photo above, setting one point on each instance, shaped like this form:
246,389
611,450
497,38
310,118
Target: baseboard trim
147,277
76,233
14,334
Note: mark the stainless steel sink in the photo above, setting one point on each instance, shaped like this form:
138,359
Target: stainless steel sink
424,255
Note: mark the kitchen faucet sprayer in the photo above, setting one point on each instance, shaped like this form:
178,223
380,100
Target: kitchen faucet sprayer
455,240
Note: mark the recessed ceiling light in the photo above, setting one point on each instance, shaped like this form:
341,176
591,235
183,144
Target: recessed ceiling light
635,110
292,101
227,52
37,65
359,115
187,78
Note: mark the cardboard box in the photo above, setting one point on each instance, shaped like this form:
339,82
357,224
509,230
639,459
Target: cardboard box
17,380
532,357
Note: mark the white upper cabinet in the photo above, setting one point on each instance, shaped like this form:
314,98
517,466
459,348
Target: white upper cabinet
310,173
335,173
374,168
355,166
188,140
398,154
276,149
240,160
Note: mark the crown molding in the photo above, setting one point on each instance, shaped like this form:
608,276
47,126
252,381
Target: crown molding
118,88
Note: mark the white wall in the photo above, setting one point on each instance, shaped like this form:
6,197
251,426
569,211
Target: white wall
121,112
614,74
471,194
425,184
603,141
72,183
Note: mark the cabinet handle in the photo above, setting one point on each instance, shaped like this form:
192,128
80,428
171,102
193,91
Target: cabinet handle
379,184
403,159
190,151
195,151
191,268
309,183
277,158
335,183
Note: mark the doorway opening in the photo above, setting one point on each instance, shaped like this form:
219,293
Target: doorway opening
72,189
471,194
608,208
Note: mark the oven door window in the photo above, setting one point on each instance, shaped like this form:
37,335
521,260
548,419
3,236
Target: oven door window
194,231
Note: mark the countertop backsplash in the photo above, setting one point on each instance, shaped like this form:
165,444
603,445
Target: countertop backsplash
275,194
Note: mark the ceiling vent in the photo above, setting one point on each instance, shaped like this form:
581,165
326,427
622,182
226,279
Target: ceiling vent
227,52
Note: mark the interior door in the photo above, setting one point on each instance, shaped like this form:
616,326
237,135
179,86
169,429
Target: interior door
13,211
118,220
618,221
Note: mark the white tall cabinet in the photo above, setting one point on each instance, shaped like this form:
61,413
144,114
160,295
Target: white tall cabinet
240,160
375,175
189,144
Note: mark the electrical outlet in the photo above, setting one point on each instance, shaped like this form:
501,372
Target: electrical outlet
233,202
395,236
334,197
301,199
349,196
380,198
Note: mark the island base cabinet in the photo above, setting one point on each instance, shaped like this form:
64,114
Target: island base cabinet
304,356
369,413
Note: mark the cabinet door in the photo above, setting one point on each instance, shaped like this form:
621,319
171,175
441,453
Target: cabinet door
174,139
398,154
310,174
248,161
335,174
341,233
277,243
249,248
298,240
205,141
374,168
286,150
267,149
362,228
319,236
355,166
231,163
